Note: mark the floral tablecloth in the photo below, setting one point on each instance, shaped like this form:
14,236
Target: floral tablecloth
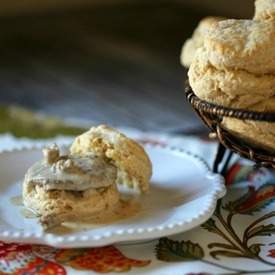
238,239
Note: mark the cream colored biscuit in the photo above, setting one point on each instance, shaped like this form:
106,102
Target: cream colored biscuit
242,44
237,89
196,41
230,88
133,164
259,134
57,206
188,52
264,10
236,68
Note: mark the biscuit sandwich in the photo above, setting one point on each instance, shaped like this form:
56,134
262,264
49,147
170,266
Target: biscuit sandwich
81,183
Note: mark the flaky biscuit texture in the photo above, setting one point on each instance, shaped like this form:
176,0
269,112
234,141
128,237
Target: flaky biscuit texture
133,164
242,45
56,206
236,68
264,10
196,41
230,88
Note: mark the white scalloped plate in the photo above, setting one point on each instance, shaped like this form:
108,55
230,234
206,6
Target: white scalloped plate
183,195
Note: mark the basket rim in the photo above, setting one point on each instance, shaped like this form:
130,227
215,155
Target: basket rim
215,109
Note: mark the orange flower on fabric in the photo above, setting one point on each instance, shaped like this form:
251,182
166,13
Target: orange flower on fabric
101,259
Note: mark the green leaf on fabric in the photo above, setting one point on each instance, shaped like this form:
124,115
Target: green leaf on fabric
175,251
210,225
23,123
255,248
262,230
225,253
232,206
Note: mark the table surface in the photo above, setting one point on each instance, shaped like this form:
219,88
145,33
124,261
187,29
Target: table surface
115,64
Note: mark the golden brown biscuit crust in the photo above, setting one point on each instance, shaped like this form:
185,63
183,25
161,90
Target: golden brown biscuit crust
264,10
242,44
235,67
134,166
57,206
260,134
196,41
230,88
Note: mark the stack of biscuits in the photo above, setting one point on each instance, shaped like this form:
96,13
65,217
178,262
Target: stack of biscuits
235,67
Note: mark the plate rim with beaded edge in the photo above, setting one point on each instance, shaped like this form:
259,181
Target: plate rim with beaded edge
188,206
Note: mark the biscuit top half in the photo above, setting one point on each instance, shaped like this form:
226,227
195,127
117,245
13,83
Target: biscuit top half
242,44
196,41
264,10
132,162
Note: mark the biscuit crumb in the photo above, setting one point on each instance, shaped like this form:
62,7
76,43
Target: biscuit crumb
51,154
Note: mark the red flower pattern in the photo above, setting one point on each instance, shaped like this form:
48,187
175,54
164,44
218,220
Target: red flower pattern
271,253
18,259
232,173
257,199
12,248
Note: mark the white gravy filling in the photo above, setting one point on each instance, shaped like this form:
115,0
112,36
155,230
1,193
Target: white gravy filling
70,172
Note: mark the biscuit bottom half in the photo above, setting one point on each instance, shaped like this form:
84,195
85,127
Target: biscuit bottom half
255,133
57,206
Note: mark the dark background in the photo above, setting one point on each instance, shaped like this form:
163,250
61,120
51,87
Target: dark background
115,63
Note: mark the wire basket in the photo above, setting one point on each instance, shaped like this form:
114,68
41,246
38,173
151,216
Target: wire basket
212,115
